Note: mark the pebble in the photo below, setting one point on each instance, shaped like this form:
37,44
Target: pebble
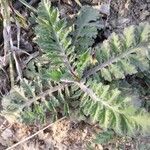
6,134
105,9
144,15
143,6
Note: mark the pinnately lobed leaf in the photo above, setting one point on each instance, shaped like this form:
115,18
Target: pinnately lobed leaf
85,30
125,54
76,84
110,108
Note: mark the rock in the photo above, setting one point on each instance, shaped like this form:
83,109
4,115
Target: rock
143,7
6,134
144,15
123,21
105,9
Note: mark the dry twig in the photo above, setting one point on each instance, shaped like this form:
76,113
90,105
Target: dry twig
7,36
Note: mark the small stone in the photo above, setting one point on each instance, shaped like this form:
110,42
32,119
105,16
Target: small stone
105,9
143,6
123,21
6,134
144,15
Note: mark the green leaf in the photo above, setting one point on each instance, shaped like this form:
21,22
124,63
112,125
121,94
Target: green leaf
55,75
85,29
104,137
109,107
122,55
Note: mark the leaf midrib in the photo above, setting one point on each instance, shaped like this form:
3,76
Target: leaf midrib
113,60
